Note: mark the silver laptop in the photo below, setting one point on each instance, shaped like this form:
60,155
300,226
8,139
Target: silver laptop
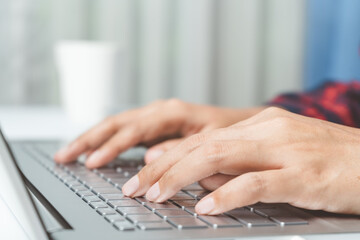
53,201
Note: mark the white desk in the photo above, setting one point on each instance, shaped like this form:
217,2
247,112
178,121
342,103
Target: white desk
52,123
39,123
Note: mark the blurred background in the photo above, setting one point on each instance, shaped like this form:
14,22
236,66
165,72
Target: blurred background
227,52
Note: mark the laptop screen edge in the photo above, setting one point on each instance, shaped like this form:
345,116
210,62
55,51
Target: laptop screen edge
16,196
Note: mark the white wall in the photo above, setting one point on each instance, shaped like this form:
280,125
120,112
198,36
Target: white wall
226,52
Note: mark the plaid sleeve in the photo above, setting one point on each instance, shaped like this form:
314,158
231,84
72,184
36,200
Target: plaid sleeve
334,101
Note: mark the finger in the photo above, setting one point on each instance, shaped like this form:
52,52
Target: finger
158,126
156,151
229,157
153,123
93,138
151,172
118,143
215,181
140,183
88,153
266,186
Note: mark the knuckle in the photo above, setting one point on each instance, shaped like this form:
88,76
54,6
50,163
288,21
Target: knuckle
174,102
257,183
150,173
110,121
170,178
133,131
283,122
274,112
179,110
212,150
177,106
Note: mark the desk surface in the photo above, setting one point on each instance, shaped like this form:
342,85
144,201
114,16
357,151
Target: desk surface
39,123
52,123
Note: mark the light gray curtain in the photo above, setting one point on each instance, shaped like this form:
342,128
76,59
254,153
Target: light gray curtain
227,52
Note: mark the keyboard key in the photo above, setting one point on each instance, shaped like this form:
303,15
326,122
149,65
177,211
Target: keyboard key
191,210
90,180
106,211
186,203
109,190
97,205
268,212
198,194
118,181
107,197
72,183
109,177
166,205
249,218
289,220
114,217
260,206
142,200
154,226
121,169
78,188
84,176
133,210
59,172
187,222
75,168
92,198
102,171
144,218
220,221
123,203
84,193
99,184
67,179
181,196
169,213
281,216
123,226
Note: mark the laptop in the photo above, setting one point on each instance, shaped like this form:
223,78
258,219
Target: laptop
54,201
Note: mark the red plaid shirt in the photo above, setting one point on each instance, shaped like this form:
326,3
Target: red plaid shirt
334,101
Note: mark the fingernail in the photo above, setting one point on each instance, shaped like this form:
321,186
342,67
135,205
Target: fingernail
205,206
154,154
153,193
131,186
94,158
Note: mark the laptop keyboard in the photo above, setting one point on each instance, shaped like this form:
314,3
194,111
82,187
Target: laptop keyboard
101,190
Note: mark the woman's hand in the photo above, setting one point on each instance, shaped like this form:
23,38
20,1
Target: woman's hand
164,122
274,156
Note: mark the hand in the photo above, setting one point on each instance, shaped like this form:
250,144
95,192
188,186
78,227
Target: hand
157,122
274,156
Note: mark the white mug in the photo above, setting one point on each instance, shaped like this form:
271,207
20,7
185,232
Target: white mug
88,71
